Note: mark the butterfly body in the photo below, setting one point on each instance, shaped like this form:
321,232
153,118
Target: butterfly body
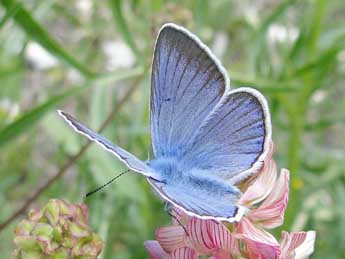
206,138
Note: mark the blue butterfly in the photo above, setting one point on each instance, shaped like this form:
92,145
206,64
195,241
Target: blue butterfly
206,138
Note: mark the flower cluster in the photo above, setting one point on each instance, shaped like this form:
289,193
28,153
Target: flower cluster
58,230
266,198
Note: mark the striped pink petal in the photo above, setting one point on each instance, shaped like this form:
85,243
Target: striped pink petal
171,237
183,253
222,238
259,243
199,236
154,249
270,213
297,244
262,186
209,236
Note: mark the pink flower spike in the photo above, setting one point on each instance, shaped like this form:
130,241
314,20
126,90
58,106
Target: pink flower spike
171,237
183,253
208,236
155,250
262,186
297,245
259,243
271,212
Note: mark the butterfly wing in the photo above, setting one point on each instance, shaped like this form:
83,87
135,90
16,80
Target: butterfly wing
202,202
194,115
130,160
234,140
186,84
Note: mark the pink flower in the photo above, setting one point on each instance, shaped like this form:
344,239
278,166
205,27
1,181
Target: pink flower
205,237
261,244
266,199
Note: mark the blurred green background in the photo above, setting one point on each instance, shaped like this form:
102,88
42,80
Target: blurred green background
92,59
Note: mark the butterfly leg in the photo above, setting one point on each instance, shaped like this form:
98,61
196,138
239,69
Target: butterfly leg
169,207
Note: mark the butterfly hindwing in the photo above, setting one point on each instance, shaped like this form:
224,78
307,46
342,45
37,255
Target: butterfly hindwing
196,200
234,140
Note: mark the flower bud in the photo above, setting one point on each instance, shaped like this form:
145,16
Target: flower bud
59,230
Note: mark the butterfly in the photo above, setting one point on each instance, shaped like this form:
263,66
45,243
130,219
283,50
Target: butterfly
206,138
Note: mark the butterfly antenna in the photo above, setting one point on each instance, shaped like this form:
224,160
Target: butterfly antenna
107,183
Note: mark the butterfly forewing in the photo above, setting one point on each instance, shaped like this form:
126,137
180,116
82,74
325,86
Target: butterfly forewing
130,160
186,85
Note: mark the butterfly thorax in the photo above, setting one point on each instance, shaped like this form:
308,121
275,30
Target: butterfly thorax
167,167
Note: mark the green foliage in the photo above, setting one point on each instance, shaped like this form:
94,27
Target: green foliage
293,51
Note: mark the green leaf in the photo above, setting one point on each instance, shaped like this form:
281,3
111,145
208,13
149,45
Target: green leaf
34,30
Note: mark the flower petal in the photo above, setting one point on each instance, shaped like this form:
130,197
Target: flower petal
154,249
271,212
171,237
199,236
222,238
183,253
262,186
298,244
179,216
208,236
259,243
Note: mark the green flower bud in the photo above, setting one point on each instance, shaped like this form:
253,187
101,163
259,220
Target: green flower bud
59,230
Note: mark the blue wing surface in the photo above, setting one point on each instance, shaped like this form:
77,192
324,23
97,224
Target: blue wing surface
200,201
194,115
130,160
218,137
186,84
234,140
